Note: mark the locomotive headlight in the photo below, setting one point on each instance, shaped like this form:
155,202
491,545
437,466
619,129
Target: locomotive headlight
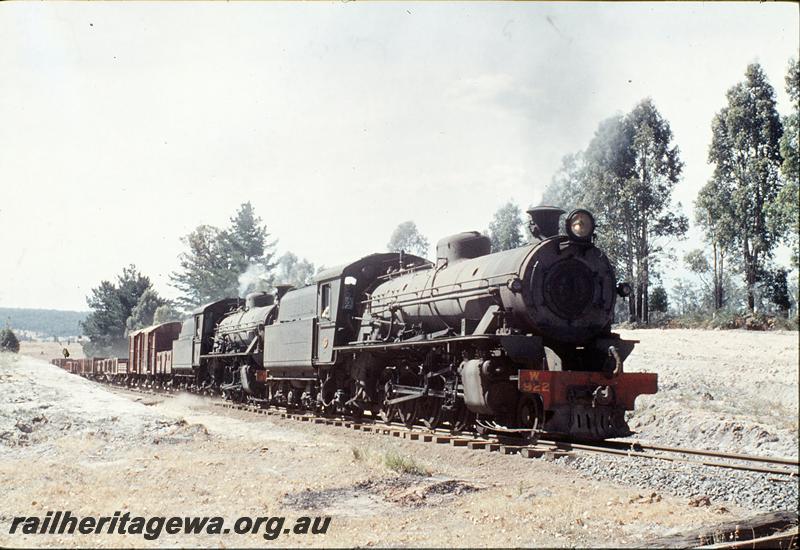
580,225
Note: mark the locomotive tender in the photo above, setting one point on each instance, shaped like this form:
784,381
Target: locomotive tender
514,342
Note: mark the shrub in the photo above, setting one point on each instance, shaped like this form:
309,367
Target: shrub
8,341
659,302
404,465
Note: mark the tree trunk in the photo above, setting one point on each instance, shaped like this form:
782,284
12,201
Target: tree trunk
639,302
751,294
646,294
631,280
645,274
721,282
716,277
632,304
639,291
719,271
749,275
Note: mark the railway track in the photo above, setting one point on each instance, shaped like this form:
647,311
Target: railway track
735,461
549,448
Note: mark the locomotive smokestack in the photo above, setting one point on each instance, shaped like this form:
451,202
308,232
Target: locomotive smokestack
544,221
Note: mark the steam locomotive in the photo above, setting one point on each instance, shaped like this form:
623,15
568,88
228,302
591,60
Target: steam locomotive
513,342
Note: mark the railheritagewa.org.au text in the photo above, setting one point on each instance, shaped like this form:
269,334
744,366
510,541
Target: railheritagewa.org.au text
151,528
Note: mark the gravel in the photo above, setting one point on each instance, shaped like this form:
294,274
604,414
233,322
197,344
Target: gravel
733,391
750,490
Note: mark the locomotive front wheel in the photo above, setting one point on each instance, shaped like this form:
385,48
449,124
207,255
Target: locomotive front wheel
429,411
530,414
407,413
388,413
462,419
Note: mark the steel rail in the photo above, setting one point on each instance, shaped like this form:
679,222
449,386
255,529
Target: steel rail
600,448
638,446
717,454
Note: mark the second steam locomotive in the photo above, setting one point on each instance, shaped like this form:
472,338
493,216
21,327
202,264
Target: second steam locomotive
512,342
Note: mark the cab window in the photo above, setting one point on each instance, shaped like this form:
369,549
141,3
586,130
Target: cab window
325,301
348,304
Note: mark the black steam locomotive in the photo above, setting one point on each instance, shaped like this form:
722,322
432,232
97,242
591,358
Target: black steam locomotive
512,342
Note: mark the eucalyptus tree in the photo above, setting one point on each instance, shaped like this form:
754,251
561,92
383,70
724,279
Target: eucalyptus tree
567,187
626,177
294,271
505,230
712,213
745,152
407,238
786,211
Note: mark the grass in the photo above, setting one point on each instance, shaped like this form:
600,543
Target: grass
723,320
404,465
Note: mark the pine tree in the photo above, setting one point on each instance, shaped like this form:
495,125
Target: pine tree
248,239
225,263
166,313
142,315
112,305
251,252
204,269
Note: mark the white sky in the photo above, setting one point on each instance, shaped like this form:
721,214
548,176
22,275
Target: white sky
124,126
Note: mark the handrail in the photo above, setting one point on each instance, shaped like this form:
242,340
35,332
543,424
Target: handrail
464,294
431,290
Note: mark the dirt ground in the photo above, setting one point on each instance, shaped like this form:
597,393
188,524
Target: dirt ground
50,350
730,390
70,444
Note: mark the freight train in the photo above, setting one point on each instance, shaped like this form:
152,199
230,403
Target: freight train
514,342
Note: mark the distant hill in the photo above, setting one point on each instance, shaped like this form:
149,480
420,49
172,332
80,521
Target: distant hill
45,322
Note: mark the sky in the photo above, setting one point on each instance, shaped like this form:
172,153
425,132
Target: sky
123,126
